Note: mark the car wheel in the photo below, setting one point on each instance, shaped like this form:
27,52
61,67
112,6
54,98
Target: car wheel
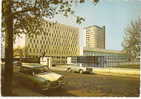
68,70
81,71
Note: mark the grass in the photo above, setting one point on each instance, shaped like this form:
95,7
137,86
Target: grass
92,85
131,66
101,85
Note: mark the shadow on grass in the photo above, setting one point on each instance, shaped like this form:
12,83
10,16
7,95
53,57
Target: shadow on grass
57,92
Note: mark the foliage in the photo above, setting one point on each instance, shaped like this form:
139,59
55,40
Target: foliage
131,43
18,17
27,13
19,51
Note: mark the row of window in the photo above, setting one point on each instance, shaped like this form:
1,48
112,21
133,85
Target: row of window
55,51
60,27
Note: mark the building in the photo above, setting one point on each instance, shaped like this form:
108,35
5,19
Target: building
95,37
101,57
57,41
95,54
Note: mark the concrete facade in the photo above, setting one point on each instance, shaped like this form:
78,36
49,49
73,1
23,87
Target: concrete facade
58,41
95,37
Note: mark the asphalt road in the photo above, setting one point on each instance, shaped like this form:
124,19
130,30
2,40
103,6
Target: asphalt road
92,85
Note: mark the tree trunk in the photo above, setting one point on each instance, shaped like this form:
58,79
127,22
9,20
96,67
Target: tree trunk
8,68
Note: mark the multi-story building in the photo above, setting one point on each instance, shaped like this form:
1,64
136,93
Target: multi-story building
95,37
56,40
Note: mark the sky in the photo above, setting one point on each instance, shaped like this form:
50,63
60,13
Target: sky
116,15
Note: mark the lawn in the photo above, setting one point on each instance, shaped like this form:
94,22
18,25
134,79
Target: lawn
131,66
92,85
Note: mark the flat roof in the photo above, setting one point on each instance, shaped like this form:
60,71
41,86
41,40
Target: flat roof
104,51
58,23
101,27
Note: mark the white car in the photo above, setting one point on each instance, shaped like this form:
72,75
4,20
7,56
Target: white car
79,68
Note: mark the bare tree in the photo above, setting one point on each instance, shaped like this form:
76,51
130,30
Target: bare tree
132,40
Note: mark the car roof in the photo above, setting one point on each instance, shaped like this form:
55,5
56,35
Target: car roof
32,65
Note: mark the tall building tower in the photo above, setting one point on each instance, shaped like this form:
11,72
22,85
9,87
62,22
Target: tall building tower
95,37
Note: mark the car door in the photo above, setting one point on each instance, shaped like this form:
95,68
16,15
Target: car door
76,68
27,78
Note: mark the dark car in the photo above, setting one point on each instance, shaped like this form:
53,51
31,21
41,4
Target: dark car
39,77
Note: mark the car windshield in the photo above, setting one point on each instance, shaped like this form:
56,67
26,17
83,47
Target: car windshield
40,70
35,70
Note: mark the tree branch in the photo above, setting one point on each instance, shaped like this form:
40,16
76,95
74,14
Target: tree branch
26,10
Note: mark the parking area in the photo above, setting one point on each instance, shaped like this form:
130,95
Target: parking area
116,71
92,85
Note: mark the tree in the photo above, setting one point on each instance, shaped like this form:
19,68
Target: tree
132,39
19,52
17,15
8,68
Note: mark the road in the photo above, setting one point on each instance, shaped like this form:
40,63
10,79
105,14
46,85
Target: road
92,85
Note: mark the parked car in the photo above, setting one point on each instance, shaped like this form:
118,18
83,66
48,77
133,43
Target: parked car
81,68
39,77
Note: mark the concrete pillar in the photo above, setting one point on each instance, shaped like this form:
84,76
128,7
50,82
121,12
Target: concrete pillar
49,62
68,60
46,61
